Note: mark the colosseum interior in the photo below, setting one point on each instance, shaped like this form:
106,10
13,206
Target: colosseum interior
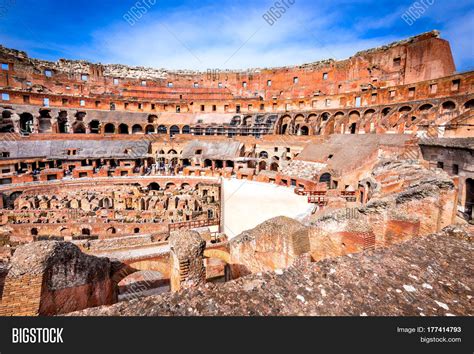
277,191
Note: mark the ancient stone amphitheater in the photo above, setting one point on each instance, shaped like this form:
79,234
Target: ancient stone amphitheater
330,188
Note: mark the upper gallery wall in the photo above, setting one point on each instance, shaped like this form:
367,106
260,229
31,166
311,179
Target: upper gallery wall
420,58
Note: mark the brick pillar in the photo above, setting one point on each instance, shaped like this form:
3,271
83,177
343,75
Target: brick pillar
187,260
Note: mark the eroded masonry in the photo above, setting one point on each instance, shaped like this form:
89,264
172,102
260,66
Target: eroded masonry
121,187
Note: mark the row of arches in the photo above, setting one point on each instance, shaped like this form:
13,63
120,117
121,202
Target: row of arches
369,119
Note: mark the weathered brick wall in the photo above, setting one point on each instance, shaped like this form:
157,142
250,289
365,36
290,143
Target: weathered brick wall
22,295
50,278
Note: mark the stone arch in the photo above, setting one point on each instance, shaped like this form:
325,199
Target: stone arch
469,104
285,125
425,107
123,129
111,231
26,123
160,266
304,130
109,128
218,254
247,121
236,120
44,122
448,106
149,129
174,130
137,129
162,129
153,186
274,166
186,129
94,127
326,178
386,111
405,109
326,115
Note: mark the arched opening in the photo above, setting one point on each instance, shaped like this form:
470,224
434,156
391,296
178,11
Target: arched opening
174,130
325,116
111,231
325,178
425,108
109,128
274,167
94,127
149,129
263,155
449,105
470,198
137,129
44,122
469,104
304,130
386,111
136,230
262,165
162,129
405,109
123,129
207,163
154,186
236,121
186,129
34,231
85,232
26,123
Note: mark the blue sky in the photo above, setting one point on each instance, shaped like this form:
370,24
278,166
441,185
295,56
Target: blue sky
225,34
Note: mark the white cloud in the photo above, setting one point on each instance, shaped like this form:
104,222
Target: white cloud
206,38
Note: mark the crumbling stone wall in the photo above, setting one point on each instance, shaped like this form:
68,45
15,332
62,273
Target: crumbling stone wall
274,244
50,278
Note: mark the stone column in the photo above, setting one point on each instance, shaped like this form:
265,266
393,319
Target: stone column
16,122
187,260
